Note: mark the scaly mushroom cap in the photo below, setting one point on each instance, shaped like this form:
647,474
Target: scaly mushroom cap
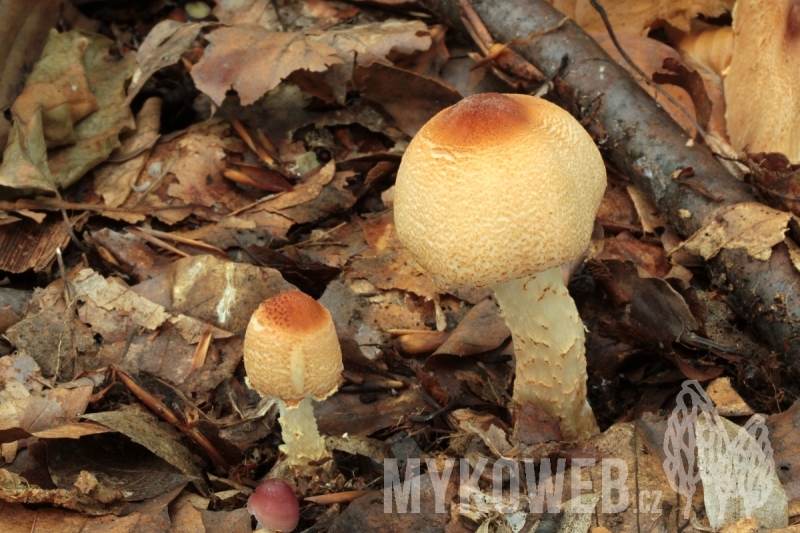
291,349
762,88
498,187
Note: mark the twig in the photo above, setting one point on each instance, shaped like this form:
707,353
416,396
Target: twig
166,413
496,49
595,4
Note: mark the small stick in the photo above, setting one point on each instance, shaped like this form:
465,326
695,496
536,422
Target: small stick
166,413
595,4
338,497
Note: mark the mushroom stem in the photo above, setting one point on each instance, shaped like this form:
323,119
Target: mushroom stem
302,441
548,339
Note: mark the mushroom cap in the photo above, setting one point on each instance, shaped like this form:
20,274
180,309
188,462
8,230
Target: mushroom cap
275,505
291,349
498,187
762,86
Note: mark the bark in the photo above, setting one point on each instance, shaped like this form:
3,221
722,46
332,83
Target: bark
643,142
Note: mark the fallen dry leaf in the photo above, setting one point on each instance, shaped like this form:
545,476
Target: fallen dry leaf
727,401
116,461
115,179
261,12
752,226
161,48
88,496
28,244
17,518
70,114
481,330
783,431
777,179
409,98
252,60
24,28
638,18
142,430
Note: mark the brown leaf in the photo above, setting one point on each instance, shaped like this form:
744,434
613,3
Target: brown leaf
784,436
252,61
16,518
656,311
487,427
752,226
113,180
14,489
617,208
140,429
116,462
689,80
482,330
409,98
162,47
777,179
367,514
625,247
532,425
638,18
74,105
346,413
310,277
651,55
209,290
27,245
23,34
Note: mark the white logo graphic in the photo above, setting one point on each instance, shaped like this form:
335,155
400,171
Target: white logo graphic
735,463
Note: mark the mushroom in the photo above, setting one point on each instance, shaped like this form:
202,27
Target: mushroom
275,505
500,191
292,353
761,94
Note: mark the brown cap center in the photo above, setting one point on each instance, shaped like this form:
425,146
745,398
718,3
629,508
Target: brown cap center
480,119
293,311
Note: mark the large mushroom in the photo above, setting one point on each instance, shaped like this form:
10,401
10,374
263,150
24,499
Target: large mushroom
762,86
292,353
501,190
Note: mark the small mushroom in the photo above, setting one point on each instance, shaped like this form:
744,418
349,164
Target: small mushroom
501,190
761,86
275,505
292,353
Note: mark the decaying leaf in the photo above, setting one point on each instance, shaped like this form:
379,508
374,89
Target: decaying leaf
222,293
70,114
163,47
28,244
88,496
638,18
114,180
252,60
752,226
116,461
141,429
17,518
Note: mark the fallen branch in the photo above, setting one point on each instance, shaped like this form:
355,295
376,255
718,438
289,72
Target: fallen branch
647,145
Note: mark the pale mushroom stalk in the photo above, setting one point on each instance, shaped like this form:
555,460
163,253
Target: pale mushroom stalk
292,353
302,442
548,340
499,191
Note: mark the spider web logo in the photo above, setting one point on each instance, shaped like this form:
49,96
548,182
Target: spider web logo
697,442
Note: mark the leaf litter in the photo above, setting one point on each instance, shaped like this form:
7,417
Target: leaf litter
210,165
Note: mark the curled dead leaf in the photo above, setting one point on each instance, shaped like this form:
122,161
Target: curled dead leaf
750,225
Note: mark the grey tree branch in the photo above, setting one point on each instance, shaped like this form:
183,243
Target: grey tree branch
645,144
